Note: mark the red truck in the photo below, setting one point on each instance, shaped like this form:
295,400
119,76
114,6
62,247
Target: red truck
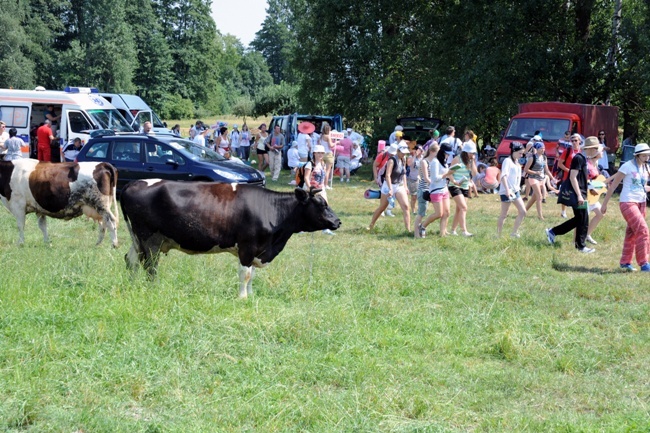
552,119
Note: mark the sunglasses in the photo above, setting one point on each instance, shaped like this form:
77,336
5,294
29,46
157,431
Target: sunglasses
573,139
601,134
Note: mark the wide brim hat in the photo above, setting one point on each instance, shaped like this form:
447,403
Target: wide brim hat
306,127
591,143
469,147
392,149
642,149
319,148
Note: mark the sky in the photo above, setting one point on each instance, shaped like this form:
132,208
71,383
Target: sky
242,18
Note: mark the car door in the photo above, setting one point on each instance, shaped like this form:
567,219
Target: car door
126,156
161,161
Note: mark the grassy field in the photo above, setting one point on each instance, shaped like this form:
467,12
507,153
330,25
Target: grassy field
359,332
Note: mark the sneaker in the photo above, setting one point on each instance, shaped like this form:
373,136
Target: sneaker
591,240
341,180
328,232
543,200
347,180
454,233
422,230
468,234
389,213
293,182
645,268
328,187
628,267
515,235
563,214
550,236
587,250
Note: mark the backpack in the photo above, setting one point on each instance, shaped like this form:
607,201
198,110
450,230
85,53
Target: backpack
381,173
300,175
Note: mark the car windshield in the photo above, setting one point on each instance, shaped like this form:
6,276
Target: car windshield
195,151
550,129
110,119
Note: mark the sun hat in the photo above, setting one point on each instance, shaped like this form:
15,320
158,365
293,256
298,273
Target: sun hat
576,135
642,149
399,128
591,143
349,130
306,127
319,148
469,147
294,143
399,134
436,133
403,148
538,145
392,149
235,126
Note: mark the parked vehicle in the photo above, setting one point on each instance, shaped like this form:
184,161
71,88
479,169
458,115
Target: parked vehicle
83,112
289,125
552,119
417,128
136,111
139,156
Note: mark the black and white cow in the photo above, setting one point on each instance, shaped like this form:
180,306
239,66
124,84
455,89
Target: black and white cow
64,191
204,218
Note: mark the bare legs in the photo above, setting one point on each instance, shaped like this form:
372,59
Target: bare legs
519,204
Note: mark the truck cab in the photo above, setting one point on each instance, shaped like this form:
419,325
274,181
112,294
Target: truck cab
553,119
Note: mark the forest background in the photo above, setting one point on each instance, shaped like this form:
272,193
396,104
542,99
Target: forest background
469,63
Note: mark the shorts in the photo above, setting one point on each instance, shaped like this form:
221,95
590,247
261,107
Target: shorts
343,162
261,151
506,199
422,203
485,185
455,191
396,188
328,158
438,197
593,207
412,185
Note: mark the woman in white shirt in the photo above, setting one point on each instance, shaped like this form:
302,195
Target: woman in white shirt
510,187
634,174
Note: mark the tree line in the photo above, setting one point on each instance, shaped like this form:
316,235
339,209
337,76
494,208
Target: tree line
167,51
467,62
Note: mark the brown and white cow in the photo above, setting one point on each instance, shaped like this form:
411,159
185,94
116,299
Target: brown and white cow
204,218
66,190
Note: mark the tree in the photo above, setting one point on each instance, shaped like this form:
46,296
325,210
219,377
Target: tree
276,40
243,107
16,68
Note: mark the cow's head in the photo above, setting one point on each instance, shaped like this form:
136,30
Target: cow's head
314,211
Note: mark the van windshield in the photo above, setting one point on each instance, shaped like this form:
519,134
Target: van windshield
110,119
550,129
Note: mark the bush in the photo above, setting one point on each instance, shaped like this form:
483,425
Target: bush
176,107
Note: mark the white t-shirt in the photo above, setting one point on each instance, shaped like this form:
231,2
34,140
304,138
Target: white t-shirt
302,139
199,139
234,139
512,172
604,161
455,143
633,182
293,158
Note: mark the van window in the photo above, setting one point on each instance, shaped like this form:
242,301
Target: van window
126,151
78,122
14,117
97,150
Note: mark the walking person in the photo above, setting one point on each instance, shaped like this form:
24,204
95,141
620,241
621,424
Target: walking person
394,185
423,185
537,169
413,173
244,143
439,176
509,190
12,146
577,185
564,163
465,170
326,141
235,138
634,174
276,143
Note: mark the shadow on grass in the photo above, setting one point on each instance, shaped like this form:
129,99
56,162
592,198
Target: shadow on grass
564,267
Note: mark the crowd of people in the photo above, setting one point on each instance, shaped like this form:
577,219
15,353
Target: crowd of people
448,169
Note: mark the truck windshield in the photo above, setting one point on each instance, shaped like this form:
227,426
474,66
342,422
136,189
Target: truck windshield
110,119
550,129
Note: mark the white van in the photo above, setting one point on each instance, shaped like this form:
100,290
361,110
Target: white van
136,111
83,112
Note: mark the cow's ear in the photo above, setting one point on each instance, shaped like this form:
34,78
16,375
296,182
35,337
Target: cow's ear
302,195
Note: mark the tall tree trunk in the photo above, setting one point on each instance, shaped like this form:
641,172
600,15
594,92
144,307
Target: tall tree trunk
613,50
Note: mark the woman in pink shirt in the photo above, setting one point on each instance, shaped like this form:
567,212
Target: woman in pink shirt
344,153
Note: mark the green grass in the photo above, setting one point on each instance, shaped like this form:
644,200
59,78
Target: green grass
357,332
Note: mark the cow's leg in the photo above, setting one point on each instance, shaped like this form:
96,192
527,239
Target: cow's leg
132,258
109,221
149,259
245,281
42,224
20,220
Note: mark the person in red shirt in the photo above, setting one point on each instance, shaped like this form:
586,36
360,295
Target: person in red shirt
45,137
564,162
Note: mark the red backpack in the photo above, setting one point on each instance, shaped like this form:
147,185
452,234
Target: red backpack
381,166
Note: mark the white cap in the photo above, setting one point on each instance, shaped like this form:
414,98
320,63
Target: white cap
319,148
